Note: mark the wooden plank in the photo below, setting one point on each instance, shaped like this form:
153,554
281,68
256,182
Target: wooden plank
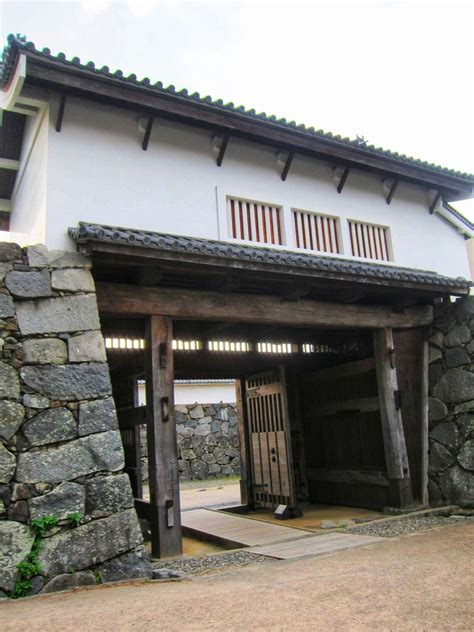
121,299
392,425
315,545
222,150
235,530
391,193
161,434
343,179
173,106
424,423
349,476
130,417
343,370
360,405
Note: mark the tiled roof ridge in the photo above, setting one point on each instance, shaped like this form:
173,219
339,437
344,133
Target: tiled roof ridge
19,42
258,254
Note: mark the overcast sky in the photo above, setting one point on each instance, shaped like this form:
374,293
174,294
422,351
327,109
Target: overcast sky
398,73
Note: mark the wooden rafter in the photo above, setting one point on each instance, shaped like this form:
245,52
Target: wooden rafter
287,166
146,136
60,115
222,150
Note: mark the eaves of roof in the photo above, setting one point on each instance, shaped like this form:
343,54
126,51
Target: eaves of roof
284,260
18,44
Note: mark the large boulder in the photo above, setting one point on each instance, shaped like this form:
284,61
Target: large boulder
44,351
87,347
50,426
446,433
9,382
7,309
72,280
15,543
108,494
7,464
65,499
457,486
29,284
56,315
455,386
466,456
11,417
69,382
132,565
95,453
90,544
68,581
440,458
97,416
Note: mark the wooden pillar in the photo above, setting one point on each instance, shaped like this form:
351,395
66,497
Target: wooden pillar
165,514
246,488
424,423
398,471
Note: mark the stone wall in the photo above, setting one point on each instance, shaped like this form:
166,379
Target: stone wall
451,404
208,441
60,450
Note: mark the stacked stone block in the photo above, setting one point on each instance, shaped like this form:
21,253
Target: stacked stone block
208,441
60,448
451,404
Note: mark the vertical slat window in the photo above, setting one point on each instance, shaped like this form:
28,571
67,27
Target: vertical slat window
370,241
314,231
253,221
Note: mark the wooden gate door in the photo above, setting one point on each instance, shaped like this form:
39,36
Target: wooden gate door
270,439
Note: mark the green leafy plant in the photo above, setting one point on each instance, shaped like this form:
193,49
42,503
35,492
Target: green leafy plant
74,519
40,525
22,586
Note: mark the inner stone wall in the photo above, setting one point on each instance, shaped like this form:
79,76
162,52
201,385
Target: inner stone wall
208,441
451,404
60,449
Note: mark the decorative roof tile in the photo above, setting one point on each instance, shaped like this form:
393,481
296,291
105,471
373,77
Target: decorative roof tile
226,250
16,43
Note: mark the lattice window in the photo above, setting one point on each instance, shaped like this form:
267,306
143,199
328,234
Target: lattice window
370,241
253,221
275,347
228,345
314,231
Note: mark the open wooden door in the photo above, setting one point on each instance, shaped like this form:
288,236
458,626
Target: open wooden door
270,439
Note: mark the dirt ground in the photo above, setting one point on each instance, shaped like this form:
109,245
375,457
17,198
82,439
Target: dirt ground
422,581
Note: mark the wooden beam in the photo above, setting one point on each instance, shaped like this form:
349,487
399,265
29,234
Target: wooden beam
6,163
356,477
117,299
5,205
391,193
222,149
131,417
146,136
287,166
424,424
161,435
110,89
246,488
60,115
400,493
434,204
343,179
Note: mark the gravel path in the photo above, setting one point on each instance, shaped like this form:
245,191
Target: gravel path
401,526
212,563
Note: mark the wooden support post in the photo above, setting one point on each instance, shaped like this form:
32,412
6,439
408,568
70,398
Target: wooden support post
424,423
343,179
246,488
398,471
222,149
434,204
287,166
59,118
146,137
391,193
161,434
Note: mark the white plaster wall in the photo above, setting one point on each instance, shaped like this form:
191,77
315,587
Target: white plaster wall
197,394
99,173
28,217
